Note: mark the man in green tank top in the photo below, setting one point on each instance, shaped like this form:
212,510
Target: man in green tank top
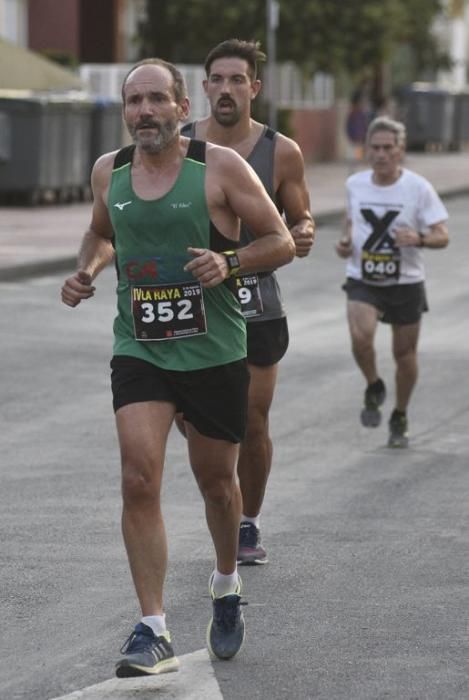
169,208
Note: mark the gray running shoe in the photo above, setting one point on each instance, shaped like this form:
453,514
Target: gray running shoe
225,631
375,395
398,431
250,549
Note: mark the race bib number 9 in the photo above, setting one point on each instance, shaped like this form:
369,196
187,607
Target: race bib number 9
168,311
378,267
249,295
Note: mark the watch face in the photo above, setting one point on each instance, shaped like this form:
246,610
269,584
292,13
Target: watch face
232,261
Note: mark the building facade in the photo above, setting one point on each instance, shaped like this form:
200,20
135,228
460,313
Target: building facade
74,31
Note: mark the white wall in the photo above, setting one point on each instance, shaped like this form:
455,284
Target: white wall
14,21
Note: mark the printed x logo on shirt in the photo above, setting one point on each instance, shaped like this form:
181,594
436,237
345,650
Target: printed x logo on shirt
380,234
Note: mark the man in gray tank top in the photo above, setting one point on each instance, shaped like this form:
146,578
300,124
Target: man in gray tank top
231,86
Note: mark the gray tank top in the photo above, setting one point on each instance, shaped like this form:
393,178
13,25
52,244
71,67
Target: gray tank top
261,159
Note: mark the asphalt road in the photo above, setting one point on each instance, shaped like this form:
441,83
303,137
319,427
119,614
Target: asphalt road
366,595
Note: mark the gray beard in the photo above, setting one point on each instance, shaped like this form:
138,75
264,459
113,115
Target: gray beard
168,132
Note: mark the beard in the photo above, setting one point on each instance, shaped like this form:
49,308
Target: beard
154,143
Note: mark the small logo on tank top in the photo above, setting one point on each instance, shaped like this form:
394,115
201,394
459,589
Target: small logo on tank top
121,205
181,205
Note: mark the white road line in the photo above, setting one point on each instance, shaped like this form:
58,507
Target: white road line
195,680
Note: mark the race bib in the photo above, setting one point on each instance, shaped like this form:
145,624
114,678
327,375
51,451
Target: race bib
168,311
249,295
378,267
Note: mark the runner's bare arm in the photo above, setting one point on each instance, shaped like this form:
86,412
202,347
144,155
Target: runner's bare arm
292,193
235,192
436,237
344,245
96,249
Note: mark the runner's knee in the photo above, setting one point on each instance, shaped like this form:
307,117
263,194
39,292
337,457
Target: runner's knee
405,355
138,486
362,341
218,493
257,425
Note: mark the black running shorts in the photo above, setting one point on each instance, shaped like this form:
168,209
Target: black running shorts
399,304
214,400
267,341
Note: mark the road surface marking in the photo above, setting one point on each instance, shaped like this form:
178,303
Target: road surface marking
195,680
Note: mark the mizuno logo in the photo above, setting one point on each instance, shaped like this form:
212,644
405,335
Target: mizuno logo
121,205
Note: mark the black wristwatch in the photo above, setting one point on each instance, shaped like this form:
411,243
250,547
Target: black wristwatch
232,261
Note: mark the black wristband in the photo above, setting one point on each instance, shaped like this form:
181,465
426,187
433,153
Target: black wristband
422,241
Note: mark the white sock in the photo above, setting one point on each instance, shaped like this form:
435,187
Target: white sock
255,521
156,622
224,584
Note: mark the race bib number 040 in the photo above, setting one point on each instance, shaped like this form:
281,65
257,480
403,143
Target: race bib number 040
378,267
168,311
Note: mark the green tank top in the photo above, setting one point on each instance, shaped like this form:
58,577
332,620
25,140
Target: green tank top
164,316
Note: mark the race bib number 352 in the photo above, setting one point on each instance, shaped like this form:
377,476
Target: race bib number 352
168,311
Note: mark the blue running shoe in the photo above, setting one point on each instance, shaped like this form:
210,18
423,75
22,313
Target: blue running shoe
145,654
225,632
250,549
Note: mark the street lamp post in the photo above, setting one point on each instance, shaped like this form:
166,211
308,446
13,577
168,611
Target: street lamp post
458,43
272,13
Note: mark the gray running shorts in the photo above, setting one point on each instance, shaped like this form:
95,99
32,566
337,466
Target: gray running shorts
399,304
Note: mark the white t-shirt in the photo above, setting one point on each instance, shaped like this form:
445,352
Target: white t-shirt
375,211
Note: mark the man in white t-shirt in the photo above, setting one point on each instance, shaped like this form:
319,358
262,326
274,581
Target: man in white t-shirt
392,213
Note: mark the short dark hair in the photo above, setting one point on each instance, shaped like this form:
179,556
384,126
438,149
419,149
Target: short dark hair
248,50
179,85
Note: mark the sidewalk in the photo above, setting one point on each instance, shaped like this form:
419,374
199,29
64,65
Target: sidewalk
45,239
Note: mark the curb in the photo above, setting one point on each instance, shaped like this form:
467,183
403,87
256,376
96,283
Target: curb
37,269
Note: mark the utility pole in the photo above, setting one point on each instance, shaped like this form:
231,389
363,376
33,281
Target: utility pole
458,43
272,13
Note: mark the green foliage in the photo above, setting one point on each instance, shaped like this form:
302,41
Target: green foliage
329,35
63,58
183,31
415,35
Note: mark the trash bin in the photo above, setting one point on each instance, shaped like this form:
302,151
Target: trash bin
428,114
76,148
53,158
24,167
461,122
5,137
106,128
45,146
